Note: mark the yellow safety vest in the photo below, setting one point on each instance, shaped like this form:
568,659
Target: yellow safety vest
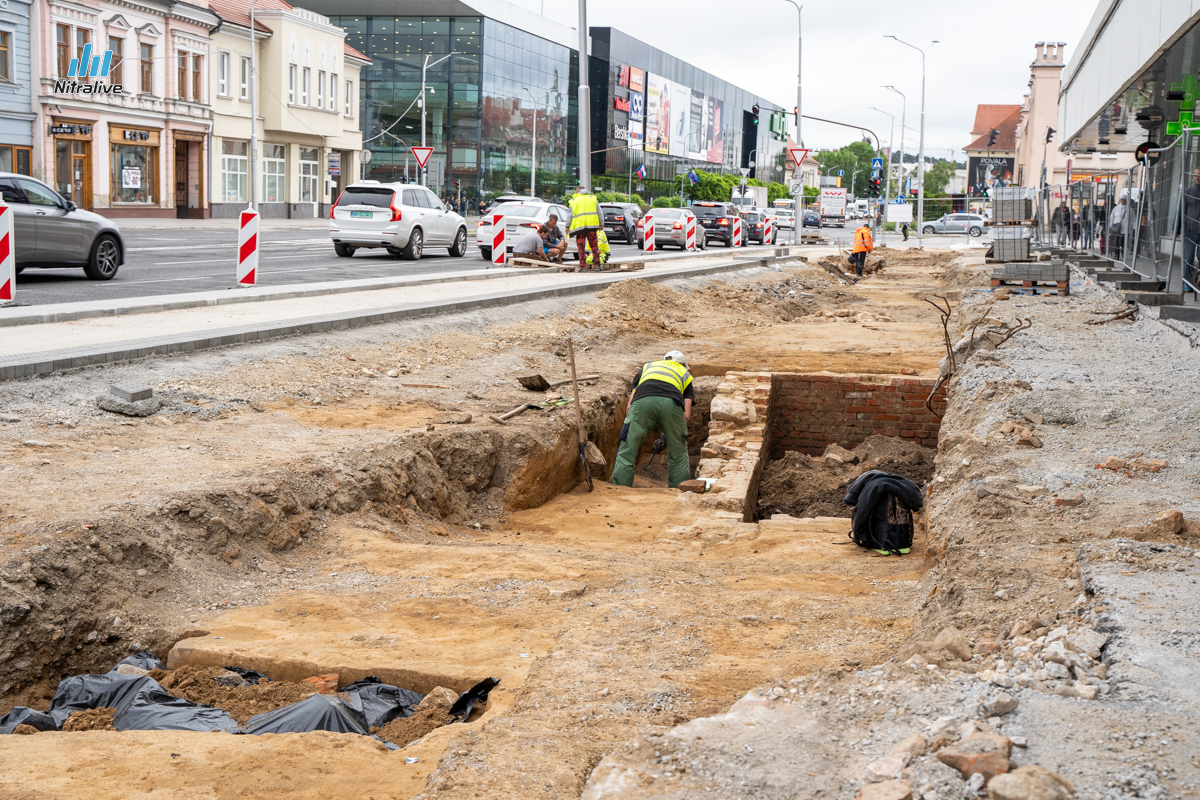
601,240
671,372
585,213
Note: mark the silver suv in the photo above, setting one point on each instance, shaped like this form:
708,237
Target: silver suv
50,231
401,217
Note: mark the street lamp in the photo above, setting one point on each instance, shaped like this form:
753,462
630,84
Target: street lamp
253,113
424,69
887,179
903,127
799,68
921,153
533,155
585,104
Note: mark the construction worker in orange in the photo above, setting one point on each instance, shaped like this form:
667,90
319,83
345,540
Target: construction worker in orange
862,246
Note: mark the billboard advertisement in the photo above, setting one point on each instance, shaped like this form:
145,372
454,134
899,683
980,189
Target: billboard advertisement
658,115
681,122
636,81
985,173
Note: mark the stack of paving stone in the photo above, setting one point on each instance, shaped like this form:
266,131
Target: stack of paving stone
1033,274
1012,209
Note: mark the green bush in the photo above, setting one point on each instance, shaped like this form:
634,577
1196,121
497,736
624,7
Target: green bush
669,201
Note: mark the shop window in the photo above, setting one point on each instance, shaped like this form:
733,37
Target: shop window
147,69
321,89
133,173
274,173
15,159
309,174
116,74
196,68
292,84
333,84
305,81
223,74
235,171
62,34
181,74
245,90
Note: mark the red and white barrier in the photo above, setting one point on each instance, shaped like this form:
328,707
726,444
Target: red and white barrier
8,255
690,237
648,234
247,263
737,231
767,230
499,243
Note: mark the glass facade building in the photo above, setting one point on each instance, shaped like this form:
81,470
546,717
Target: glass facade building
507,82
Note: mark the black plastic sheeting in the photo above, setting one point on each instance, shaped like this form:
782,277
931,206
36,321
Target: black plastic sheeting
20,715
321,712
249,676
143,660
383,702
152,709
82,692
461,710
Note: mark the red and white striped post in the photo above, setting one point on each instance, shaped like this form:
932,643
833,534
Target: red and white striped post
737,231
766,230
690,236
499,244
648,234
8,255
247,263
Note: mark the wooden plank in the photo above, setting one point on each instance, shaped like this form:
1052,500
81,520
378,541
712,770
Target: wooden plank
528,262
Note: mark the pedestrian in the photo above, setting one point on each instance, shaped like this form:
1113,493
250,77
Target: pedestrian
1116,227
530,245
662,395
862,246
904,230
585,221
555,244
1061,222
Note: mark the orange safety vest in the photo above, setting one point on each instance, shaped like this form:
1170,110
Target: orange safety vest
862,240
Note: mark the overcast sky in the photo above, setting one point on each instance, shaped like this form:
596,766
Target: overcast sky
983,54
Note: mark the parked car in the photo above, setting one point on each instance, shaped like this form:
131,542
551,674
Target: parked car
785,218
510,198
402,218
812,219
620,221
754,228
717,219
971,224
670,228
50,231
519,217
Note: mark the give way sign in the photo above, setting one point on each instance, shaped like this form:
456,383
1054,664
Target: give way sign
422,155
798,154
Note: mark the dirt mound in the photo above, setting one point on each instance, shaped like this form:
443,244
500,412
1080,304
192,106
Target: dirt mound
93,719
433,712
241,702
808,486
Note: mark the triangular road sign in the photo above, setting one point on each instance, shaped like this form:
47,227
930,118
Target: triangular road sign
798,154
422,155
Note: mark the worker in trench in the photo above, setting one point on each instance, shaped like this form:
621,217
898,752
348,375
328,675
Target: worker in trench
662,395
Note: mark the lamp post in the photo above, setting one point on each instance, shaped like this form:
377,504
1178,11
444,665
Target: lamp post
585,103
903,127
799,68
921,149
424,69
887,180
253,113
533,153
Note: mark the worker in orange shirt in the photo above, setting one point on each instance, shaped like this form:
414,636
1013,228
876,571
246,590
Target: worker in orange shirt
862,246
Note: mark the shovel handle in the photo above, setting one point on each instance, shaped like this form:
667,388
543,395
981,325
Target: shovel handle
568,380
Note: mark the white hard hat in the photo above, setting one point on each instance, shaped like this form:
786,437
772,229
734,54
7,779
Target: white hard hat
675,355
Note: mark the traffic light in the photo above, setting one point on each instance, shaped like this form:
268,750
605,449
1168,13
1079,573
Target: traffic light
992,137
1050,134
754,114
796,112
874,187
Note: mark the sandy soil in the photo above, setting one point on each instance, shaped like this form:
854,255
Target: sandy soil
331,531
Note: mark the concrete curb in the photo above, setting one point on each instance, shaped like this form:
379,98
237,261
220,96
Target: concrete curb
42,363
66,312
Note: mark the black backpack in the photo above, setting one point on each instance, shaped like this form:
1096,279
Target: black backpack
891,528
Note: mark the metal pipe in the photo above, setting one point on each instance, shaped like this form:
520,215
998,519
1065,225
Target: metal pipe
585,103
253,113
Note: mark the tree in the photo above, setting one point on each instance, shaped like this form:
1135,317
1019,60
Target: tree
938,177
854,157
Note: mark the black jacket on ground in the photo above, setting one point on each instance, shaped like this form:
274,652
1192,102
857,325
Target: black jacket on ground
869,488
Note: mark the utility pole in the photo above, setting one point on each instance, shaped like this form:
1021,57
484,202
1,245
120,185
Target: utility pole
921,153
799,70
585,103
903,114
424,69
253,113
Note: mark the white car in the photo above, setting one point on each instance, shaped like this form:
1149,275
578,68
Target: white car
519,218
785,218
403,218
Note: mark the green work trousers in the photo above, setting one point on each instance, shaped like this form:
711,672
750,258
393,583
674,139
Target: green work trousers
642,417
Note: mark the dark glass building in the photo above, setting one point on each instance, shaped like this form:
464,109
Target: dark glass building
511,77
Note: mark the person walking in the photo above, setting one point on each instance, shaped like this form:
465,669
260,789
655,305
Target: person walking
904,230
662,395
585,221
1116,227
862,246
